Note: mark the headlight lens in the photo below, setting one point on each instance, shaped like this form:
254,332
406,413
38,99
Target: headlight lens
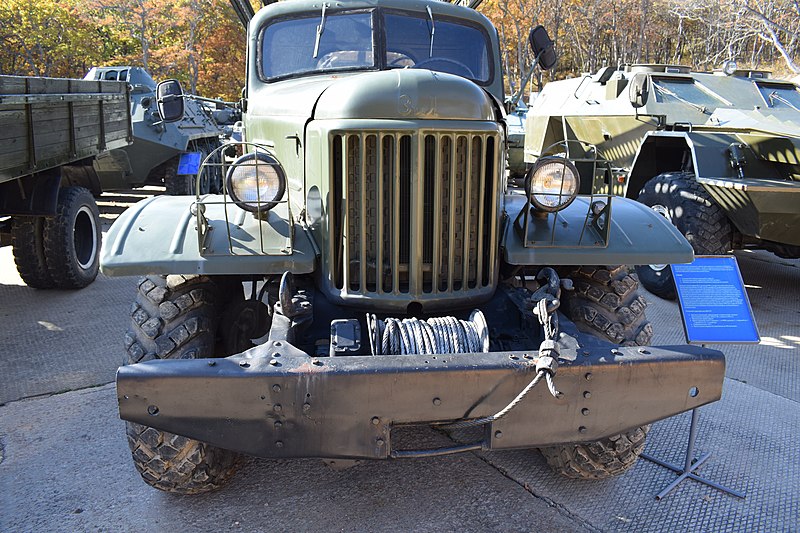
256,182
552,184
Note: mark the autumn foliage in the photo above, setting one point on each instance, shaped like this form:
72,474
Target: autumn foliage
202,43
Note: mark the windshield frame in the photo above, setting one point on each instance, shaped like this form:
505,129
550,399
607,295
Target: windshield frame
378,42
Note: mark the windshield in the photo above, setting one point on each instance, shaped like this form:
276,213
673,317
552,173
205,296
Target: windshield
345,42
350,41
686,91
456,48
783,96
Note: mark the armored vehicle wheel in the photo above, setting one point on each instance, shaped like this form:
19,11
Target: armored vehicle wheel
72,239
606,303
685,203
27,237
176,317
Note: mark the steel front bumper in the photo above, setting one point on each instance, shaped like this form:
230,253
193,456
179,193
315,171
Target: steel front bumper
275,401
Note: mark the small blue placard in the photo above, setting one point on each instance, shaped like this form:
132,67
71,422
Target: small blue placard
189,163
713,301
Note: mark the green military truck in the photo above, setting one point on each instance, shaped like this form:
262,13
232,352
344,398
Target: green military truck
368,268
52,132
716,153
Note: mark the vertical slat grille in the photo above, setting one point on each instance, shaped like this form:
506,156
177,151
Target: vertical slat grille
377,181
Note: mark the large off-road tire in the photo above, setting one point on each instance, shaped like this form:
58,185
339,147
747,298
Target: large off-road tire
684,202
72,239
27,239
605,303
176,317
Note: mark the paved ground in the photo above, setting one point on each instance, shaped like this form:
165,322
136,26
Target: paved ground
64,463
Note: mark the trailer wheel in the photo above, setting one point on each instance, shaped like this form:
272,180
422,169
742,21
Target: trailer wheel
27,239
605,303
686,204
176,317
72,239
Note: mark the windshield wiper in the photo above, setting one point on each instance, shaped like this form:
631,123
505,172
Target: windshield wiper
433,29
775,96
320,29
664,90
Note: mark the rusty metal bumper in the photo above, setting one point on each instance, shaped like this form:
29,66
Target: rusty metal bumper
276,401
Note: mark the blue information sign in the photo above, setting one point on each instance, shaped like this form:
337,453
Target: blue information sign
713,301
189,163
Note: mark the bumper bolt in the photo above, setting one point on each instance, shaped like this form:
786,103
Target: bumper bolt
585,411
614,351
279,444
375,420
212,363
276,388
498,434
274,362
588,376
643,351
379,442
278,408
306,407
437,401
278,424
587,394
582,429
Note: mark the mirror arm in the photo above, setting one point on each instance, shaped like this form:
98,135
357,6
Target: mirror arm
526,79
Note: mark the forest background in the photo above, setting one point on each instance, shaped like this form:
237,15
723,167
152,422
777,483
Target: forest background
202,43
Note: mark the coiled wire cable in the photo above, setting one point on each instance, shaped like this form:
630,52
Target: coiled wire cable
438,335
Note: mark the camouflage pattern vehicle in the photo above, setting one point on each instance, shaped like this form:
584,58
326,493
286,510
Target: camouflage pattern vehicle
162,153
367,269
718,154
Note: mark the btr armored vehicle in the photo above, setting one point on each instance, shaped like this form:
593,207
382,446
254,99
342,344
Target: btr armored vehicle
367,268
716,153
161,153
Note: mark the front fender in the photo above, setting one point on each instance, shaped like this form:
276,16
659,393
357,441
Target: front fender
637,236
159,236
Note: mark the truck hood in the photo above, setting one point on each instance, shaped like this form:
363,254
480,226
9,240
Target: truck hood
393,94
404,94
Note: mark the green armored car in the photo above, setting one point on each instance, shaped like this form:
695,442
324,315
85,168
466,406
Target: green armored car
367,268
716,153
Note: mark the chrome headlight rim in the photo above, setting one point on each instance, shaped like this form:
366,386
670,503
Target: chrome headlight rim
266,159
568,166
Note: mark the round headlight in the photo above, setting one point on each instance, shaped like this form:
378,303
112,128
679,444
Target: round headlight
552,183
256,182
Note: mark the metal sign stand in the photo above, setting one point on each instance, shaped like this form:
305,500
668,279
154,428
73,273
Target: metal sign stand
712,290
690,465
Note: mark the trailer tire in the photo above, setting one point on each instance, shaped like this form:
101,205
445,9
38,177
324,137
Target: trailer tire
72,239
176,317
686,204
27,239
605,302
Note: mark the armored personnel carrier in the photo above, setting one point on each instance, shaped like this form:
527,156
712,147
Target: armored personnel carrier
392,277
161,153
716,153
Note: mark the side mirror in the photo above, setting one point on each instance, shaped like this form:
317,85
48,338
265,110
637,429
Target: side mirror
169,97
543,48
639,90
